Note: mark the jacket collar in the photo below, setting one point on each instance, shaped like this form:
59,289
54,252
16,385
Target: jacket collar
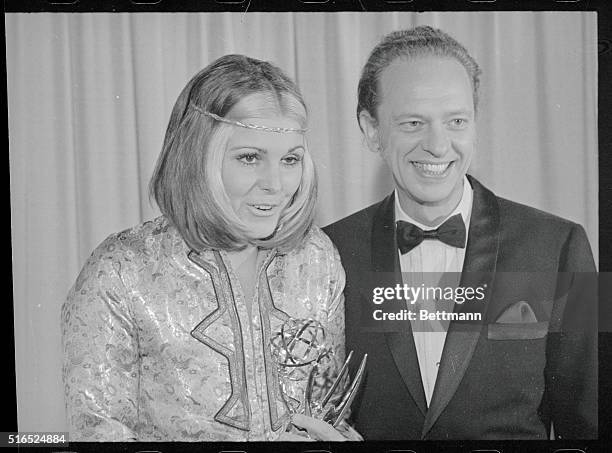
478,271
386,266
236,410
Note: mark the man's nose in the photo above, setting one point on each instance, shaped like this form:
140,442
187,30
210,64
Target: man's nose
269,177
436,142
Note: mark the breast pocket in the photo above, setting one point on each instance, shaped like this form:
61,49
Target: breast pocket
517,331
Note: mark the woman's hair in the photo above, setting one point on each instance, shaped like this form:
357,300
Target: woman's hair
187,183
416,42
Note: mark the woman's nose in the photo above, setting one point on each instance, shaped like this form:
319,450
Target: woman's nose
269,177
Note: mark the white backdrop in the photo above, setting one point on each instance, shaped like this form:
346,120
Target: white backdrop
89,96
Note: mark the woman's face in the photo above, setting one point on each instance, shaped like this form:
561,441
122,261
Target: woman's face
261,172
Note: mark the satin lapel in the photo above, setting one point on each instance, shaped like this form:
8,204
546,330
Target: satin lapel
385,260
478,269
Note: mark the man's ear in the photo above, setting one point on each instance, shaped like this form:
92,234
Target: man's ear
369,127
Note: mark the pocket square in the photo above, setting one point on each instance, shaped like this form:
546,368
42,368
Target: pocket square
517,322
519,312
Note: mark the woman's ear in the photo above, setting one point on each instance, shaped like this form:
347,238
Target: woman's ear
369,127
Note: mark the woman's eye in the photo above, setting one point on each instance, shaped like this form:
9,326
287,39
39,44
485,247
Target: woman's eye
248,159
292,160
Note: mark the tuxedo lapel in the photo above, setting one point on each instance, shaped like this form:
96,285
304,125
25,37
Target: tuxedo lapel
478,269
385,264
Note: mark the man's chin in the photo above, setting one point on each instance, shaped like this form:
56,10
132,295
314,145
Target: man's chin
429,199
433,195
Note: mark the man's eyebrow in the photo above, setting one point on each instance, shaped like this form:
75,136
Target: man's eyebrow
460,112
408,115
405,115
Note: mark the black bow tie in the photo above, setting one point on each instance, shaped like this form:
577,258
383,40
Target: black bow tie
451,232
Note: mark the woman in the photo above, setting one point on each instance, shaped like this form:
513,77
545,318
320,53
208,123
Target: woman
167,330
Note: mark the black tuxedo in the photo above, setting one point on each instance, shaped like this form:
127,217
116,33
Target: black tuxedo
495,380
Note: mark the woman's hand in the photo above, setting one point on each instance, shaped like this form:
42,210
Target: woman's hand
318,430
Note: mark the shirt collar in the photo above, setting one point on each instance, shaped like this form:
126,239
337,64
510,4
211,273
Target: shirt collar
464,208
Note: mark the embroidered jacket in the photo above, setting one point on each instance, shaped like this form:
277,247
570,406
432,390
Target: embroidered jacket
159,345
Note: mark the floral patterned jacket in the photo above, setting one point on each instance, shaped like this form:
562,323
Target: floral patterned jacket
159,345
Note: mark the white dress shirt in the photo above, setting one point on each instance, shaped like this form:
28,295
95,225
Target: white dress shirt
424,265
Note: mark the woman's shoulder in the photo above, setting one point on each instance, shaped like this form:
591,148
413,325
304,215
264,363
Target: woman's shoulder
145,242
125,252
316,242
145,238
316,238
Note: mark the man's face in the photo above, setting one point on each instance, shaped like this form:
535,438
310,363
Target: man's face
425,131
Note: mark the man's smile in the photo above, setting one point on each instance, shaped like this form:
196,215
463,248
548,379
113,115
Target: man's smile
431,170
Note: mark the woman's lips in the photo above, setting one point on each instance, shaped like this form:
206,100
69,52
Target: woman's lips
262,209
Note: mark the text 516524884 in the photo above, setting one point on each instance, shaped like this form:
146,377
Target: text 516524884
33,439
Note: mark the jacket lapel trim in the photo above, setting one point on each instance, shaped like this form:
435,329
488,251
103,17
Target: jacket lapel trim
235,411
278,402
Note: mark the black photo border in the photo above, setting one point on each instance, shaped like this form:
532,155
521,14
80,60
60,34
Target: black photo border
604,16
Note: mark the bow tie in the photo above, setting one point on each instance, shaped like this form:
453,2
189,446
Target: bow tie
451,232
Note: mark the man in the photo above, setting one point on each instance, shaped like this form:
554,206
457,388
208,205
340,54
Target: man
525,358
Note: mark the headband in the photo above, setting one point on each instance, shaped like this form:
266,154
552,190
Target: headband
246,125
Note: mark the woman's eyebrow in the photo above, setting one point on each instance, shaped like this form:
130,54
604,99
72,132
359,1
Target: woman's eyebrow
263,150
255,148
295,148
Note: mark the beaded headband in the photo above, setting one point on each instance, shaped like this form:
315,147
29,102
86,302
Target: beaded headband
247,125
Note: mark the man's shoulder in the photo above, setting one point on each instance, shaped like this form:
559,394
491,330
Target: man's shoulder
542,234
515,215
528,217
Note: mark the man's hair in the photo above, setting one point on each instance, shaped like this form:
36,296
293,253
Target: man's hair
420,41
187,183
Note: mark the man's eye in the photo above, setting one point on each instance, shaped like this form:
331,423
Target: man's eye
411,125
458,123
